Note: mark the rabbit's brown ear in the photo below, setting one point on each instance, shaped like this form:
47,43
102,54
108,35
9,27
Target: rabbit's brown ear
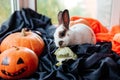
60,18
66,18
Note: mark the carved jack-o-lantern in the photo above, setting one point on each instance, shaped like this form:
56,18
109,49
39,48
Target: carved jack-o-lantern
17,62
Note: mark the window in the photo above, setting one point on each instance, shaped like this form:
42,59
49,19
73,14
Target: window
98,9
106,11
5,10
76,7
7,7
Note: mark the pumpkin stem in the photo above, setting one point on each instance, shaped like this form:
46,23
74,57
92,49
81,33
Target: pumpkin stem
23,32
16,47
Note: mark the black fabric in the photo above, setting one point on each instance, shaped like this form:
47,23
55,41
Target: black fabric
94,62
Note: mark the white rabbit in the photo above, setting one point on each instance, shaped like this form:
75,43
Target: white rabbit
76,34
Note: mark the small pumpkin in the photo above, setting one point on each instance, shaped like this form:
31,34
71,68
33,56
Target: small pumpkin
17,62
24,38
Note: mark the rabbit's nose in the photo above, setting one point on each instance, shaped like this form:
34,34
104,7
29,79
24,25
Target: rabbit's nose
60,43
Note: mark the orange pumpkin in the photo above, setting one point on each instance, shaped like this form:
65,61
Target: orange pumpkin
18,62
24,39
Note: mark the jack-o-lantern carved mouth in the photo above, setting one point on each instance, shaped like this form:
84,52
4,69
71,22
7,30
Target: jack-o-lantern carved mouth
22,70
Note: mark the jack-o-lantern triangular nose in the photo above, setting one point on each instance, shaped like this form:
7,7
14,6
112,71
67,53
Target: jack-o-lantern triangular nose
20,61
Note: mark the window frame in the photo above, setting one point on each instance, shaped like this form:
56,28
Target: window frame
19,4
115,15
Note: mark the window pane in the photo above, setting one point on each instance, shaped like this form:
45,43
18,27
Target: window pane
98,9
5,10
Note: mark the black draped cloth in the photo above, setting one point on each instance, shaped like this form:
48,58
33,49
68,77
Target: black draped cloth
94,62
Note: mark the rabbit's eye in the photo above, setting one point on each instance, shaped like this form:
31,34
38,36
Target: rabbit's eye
62,34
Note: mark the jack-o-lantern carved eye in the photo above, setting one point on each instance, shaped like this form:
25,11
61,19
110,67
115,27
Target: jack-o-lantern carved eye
5,61
20,61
